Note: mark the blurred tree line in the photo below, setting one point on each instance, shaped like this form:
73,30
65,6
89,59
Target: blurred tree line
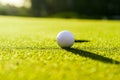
76,8
12,10
69,8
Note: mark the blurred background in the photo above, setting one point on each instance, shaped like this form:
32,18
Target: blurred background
90,9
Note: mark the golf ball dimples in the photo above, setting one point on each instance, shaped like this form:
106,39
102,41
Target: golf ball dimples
65,39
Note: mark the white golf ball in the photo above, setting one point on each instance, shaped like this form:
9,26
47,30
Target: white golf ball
65,39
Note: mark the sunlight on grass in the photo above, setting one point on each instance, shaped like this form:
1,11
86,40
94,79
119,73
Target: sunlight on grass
28,49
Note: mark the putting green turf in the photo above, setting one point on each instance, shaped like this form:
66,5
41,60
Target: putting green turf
28,49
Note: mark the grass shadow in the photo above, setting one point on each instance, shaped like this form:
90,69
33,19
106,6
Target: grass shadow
92,56
81,41
36,48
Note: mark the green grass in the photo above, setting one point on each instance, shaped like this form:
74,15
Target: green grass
28,49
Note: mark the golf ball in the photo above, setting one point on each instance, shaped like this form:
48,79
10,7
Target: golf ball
65,39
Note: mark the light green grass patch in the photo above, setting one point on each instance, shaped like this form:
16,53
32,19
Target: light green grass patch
28,49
